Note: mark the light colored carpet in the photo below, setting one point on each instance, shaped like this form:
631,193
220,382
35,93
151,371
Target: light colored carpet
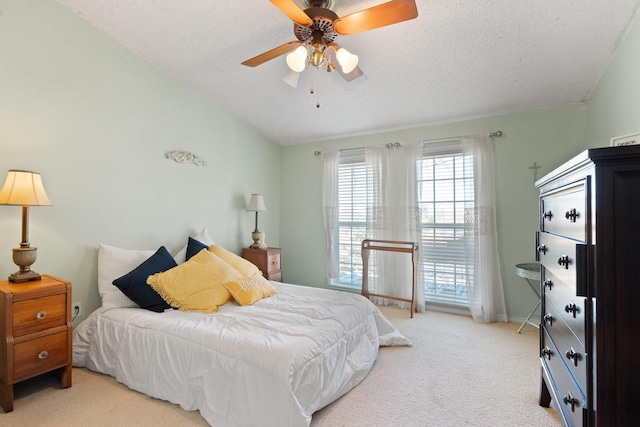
457,373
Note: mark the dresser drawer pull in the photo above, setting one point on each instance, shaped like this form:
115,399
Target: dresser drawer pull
41,314
43,354
546,352
572,355
564,261
547,215
547,284
571,215
570,400
571,308
548,318
543,249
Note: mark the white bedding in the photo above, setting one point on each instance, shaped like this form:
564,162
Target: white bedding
270,364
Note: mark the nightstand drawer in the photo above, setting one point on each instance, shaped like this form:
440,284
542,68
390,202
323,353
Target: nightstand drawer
38,314
276,277
40,355
273,262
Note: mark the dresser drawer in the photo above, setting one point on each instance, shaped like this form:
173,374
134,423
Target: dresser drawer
38,314
564,211
273,262
40,355
570,399
571,349
571,308
558,255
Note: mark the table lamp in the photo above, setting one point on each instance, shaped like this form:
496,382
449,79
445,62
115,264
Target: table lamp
256,204
24,188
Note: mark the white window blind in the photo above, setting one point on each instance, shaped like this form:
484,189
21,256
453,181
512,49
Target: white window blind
445,188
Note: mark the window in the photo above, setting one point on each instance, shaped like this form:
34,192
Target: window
445,188
352,216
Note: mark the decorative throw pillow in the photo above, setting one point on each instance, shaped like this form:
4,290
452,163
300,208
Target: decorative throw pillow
197,284
134,284
247,268
114,262
248,290
193,247
202,237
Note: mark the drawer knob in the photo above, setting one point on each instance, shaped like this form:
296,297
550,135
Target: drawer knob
571,308
546,352
547,284
547,215
572,355
43,354
41,314
569,400
548,318
564,261
571,215
543,249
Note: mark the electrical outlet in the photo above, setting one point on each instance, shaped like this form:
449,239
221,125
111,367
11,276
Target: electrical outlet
76,309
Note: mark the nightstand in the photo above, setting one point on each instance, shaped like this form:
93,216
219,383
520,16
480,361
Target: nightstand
35,323
267,260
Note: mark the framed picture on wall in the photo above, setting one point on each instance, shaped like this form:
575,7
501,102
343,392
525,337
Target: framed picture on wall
620,141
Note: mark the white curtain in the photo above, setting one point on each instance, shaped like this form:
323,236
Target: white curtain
330,165
393,214
485,294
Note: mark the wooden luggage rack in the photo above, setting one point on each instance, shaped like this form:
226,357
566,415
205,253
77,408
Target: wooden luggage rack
390,246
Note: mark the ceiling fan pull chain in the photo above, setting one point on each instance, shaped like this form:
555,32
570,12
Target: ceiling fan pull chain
315,84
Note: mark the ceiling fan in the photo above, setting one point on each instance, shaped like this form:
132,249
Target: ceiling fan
317,27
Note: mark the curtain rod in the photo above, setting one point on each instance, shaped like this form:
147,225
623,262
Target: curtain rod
496,134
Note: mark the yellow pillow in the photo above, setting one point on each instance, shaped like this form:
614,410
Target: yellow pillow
247,268
197,284
246,291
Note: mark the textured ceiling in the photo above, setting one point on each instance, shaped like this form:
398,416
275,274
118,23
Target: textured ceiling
459,59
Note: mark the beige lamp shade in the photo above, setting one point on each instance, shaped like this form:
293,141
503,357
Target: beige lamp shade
23,188
256,204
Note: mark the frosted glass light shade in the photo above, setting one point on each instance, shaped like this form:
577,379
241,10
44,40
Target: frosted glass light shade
297,60
348,61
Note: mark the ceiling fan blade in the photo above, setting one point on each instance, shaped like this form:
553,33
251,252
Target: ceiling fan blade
375,17
273,53
289,8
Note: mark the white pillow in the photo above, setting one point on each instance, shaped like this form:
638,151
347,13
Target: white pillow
113,263
202,237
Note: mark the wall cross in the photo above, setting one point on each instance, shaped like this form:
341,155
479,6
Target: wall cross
535,168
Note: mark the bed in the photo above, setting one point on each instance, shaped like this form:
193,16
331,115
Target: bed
271,363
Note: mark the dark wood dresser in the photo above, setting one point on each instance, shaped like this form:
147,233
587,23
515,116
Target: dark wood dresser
590,286
35,323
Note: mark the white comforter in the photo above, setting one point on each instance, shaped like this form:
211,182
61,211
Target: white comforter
271,364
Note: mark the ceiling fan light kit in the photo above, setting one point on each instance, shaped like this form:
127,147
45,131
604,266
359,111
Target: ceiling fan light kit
317,27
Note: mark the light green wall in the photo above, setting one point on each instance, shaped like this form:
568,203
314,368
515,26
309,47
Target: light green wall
614,107
546,137
96,121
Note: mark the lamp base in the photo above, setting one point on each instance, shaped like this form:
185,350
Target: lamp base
24,257
19,276
258,240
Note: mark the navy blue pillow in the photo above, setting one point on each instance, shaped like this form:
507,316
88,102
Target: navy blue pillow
193,247
134,284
